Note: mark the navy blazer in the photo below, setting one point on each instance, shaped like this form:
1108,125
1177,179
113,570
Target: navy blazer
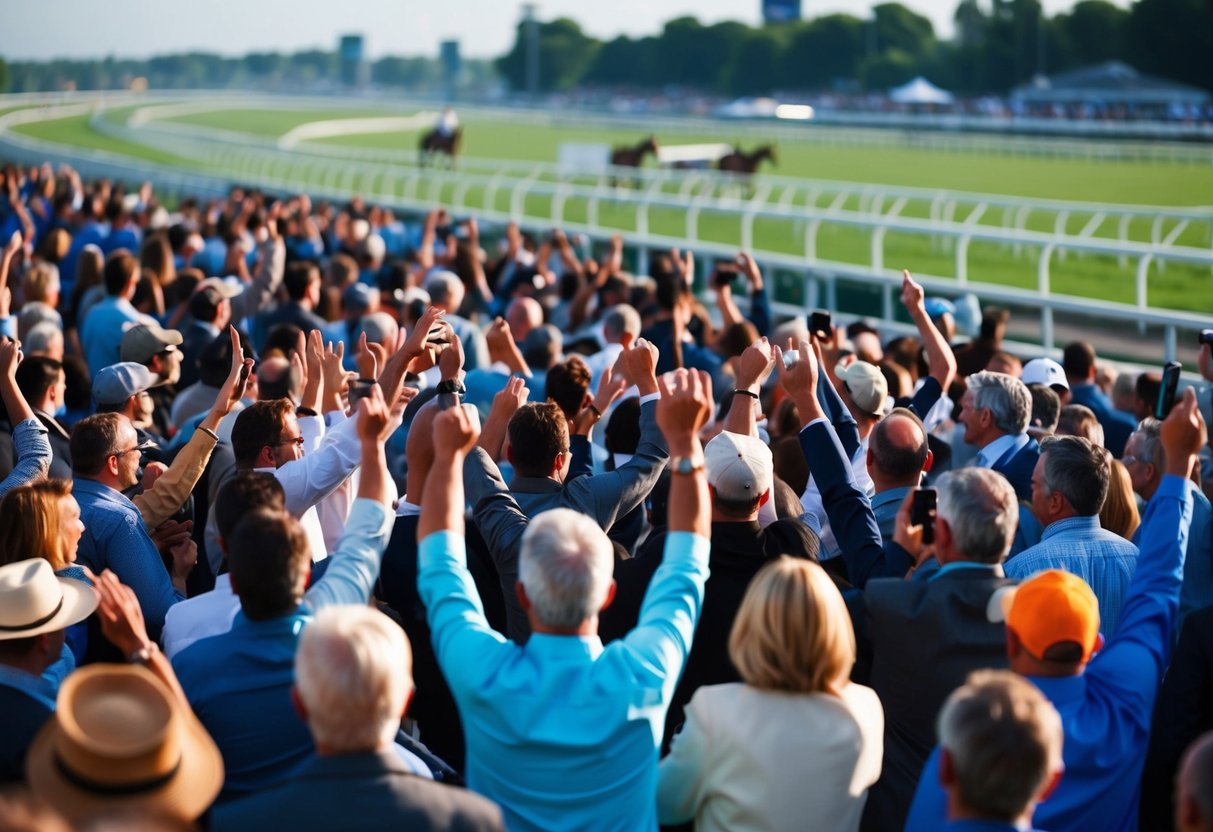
1117,426
365,792
1018,469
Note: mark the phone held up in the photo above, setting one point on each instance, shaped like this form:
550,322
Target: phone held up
922,512
820,325
1166,392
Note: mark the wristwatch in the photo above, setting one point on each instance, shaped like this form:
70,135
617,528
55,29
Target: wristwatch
686,465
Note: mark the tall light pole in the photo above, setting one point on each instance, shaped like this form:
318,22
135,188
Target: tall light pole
531,20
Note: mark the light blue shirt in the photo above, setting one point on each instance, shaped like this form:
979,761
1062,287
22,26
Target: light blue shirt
1007,445
1081,547
563,733
1106,710
102,329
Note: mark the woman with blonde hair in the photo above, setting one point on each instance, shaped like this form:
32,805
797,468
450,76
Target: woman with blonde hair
794,746
42,520
1119,514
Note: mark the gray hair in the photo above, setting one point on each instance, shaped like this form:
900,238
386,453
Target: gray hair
980,507
380,328
1005,741
621,319
41,336
35,313
1149,440
353,672
1079,470
1007,398
565,566
442,287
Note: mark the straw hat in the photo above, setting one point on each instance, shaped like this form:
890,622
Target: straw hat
120,739
33,601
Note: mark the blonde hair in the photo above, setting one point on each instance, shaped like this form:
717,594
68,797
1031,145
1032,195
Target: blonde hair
31,523
1119,513
793,631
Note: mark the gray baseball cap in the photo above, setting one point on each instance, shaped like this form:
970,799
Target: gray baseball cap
118,382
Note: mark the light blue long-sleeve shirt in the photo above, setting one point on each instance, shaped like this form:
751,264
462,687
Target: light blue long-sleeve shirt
1081,547
1106,710
563,733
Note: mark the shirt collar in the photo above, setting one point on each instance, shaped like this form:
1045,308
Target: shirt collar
997,449
1071,524
563,647
34,686
994,569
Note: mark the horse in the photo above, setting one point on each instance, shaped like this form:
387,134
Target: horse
632,157
741,162
433,143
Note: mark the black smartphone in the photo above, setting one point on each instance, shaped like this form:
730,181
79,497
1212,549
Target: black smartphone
1166,392
821,325
1206,337
922,512
358,392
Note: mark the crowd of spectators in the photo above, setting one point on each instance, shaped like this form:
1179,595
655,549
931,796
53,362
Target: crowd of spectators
318,517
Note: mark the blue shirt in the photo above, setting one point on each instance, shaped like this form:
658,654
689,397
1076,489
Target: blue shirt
1197,591
1106,710
102,329
1081,547
116,538
33,453
562,732
239,682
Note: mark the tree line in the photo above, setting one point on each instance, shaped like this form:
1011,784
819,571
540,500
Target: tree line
996,46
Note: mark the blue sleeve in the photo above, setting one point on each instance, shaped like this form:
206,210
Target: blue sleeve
33,451
354,565
929,810
133,557
845,505
463,640
1133,661
582,463
760,311
838,415
663,633
925,398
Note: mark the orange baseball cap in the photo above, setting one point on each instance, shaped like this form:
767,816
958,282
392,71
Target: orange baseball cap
1049,608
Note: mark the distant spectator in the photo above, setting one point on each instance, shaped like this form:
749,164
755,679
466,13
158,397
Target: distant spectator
1080,366
1080,420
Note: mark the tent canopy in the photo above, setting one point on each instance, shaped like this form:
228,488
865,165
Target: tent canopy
920,91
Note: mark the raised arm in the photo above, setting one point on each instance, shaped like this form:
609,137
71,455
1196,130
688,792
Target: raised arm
754,367
29,435
941,363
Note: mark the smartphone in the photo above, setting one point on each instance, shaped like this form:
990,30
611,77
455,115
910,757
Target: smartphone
1166,393
820,325
358,392
1206,337
922,512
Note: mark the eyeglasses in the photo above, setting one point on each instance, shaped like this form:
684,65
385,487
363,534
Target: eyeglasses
142,446
297,441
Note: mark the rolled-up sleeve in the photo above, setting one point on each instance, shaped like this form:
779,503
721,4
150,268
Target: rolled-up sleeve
33,455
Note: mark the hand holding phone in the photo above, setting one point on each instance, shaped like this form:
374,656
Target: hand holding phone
821,325
1166,391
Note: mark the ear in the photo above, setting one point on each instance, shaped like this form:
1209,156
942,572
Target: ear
297,701
947,769
610,596
929,462
985,417
520,591
408,700
111,464
943,534
1050,785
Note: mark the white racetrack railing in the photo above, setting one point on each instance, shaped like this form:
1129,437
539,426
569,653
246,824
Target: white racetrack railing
417,190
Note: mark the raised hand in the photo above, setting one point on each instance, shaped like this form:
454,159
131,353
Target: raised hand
236,383
638,365
450,360
1183,435
754,365
912,294
798,372
683,409
373,417
10,357
454,433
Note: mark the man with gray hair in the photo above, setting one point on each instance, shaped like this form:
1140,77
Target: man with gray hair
924,636
1000,742
562,731
1069,485
1146,463
995,412
353,682
447,291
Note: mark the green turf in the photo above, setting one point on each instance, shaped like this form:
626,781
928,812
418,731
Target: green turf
1179,287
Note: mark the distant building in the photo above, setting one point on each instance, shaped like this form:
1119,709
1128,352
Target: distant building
1108,88
355,72
780,11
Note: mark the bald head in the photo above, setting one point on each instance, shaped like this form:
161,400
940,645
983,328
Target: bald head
1194,802
523,315
897,451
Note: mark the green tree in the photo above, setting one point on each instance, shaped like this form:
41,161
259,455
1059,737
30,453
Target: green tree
3,75
757,64
824,51
625,62
891,68
900,28
1174,39
565,54
1094,31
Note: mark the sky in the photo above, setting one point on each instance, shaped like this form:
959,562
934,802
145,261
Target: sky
42,29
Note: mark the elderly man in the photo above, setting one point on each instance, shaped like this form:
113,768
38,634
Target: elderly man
1104,690
1146,463
357,658
1069,486
1001,752
995,412
561,731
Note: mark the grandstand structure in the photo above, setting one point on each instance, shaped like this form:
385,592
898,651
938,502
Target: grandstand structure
782,219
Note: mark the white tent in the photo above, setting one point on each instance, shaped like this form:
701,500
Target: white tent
920,91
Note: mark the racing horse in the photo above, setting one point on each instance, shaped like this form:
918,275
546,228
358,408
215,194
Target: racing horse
741,162
434,143
632,157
